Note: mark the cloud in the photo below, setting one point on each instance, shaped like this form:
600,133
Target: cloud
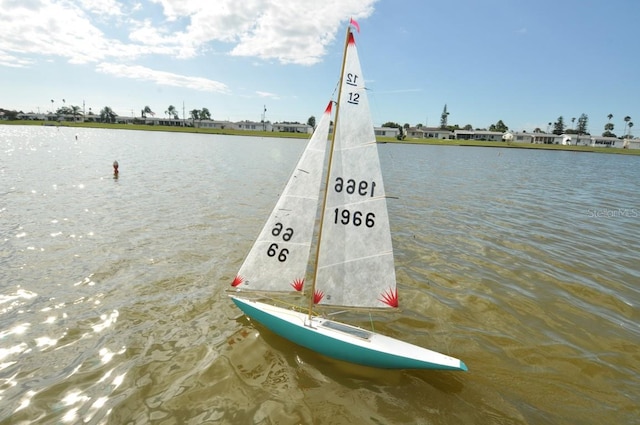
267,94
12,61
106,31
164,78
288,31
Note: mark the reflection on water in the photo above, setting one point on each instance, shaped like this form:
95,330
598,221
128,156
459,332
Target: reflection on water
112,303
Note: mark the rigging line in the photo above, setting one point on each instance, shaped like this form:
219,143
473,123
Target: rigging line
328,171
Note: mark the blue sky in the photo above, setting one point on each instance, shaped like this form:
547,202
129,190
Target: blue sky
521,61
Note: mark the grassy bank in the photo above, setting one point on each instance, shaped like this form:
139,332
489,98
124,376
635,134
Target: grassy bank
231,132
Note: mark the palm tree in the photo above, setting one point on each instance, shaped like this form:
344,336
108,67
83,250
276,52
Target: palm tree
629,124
626,120
146,111
75,110
610,116
107,115
573,122
172,112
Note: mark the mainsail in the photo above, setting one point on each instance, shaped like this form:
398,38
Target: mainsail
355,263
279,257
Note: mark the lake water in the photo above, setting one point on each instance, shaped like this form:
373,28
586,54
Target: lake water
523,263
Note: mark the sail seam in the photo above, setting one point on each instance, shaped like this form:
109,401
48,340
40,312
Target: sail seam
356,259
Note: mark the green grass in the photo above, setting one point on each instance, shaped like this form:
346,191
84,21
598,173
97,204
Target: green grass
258,133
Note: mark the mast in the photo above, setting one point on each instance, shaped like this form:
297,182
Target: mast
326,190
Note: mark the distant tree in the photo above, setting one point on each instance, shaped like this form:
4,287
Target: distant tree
627,119
468,127
573,122
582,124
172,112
195,114
10,115
146,111
108,115
537,130
406,126
401,134
558,126
444,117
629,125
419,126
75,111
312,122
205,114
391,124
610,116
608,134
499,126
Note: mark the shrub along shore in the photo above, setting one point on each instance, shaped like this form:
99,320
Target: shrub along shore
256,133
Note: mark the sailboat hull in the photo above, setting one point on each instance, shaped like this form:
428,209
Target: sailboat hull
345,342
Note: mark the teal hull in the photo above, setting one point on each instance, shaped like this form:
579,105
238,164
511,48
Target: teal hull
337,348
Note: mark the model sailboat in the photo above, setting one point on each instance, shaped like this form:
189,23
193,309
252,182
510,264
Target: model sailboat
354,264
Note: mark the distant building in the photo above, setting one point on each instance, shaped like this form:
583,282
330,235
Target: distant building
386,131
429,133
290,128
494,136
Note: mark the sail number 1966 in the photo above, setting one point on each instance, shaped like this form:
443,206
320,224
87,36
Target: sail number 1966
357,218
362,188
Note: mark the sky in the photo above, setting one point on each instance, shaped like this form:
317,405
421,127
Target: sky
520,61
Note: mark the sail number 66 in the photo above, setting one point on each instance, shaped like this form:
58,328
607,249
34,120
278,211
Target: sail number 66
274,250
357,218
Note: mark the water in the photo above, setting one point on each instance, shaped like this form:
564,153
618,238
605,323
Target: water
112,291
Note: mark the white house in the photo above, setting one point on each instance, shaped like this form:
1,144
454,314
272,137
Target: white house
290,128
386,131
495,136
429,133
605,142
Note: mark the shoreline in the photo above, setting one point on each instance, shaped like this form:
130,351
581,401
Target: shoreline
257,133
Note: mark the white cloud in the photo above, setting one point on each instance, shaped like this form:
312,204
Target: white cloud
289,31
12,61
267,94
92,31
138,72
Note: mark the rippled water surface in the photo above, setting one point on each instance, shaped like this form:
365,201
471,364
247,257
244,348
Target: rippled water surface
112,291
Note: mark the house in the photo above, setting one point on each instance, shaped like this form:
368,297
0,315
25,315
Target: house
494,136
632,143
575,139
522,137
429,133
546,139
605,142
285,127
386,131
